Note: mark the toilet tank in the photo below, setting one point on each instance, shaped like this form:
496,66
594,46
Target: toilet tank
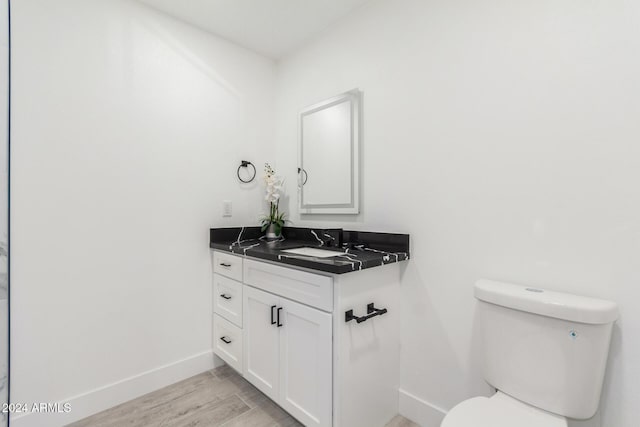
545,348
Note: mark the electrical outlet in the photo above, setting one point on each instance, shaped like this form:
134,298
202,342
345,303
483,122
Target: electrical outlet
226,208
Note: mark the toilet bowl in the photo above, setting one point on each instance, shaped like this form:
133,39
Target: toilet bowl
500,410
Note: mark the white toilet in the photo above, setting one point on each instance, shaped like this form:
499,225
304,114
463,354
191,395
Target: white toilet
545,352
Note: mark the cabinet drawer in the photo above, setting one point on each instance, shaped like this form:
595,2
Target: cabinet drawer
308,288
227,299
227,265
227,342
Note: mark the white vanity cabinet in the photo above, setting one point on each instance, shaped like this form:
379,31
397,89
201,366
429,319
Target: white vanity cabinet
297,347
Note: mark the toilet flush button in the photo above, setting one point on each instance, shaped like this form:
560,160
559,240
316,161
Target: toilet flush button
573,334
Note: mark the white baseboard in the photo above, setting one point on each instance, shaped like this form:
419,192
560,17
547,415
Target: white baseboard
113,394
420,411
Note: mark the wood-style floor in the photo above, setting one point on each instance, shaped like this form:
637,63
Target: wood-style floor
216,398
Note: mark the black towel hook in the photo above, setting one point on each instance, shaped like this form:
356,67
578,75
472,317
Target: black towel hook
246,164
305,176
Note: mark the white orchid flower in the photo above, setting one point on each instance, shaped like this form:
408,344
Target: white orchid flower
274,186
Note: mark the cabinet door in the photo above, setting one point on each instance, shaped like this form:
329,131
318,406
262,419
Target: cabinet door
306,363
261,361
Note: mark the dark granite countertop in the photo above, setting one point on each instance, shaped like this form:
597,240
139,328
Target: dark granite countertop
355,250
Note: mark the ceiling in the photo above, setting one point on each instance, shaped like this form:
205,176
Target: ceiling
270,27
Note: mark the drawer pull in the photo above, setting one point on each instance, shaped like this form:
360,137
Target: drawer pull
273,322
225,264
225,340
225,296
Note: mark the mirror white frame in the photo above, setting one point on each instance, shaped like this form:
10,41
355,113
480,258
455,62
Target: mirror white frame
330,128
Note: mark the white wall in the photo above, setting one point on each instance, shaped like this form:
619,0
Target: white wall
503,136
127,130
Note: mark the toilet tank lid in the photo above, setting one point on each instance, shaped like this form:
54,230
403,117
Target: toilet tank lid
559,305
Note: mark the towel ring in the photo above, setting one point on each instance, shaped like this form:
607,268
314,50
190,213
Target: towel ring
246,164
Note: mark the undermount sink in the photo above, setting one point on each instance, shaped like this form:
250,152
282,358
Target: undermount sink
312,252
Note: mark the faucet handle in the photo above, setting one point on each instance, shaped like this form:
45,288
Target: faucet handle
332,237
329,239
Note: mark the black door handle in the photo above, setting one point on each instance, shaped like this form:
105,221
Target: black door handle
224,264
225,340
225,296
279,324
273,322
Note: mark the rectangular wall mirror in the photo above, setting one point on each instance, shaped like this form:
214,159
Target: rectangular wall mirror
328,164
